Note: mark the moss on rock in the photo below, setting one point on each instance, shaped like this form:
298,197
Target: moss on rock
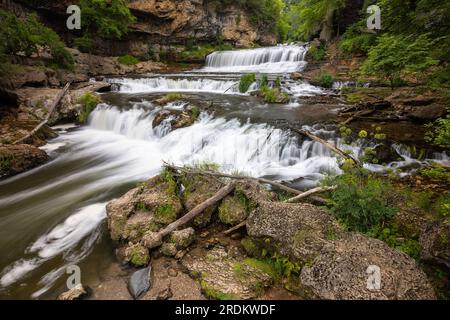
137,255
232,211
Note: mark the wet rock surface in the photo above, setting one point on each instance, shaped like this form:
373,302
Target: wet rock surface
140,282
19,158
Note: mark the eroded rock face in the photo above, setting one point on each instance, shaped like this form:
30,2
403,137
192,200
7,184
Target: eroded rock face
342,271
19,158
197,19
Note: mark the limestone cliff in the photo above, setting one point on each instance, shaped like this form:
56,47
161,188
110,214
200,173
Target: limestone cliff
167,22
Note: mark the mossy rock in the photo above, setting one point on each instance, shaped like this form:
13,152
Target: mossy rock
232,211
137,255
168,249
198,189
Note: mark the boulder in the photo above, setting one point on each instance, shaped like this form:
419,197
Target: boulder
232,210
183,238
137,255
348,269
15,159
169,249
145,209
198,189
297,231
140,283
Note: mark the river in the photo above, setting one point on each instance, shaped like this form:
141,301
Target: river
54,216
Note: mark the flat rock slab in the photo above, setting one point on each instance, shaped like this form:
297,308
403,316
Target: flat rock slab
140,282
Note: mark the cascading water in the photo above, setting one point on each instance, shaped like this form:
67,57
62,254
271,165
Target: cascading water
280,59
55,214
160,84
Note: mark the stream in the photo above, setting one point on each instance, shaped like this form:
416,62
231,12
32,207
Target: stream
54,216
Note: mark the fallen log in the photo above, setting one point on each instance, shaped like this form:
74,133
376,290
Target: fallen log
326,144
310,193
357,115
237,227
58,99
154,240
224,175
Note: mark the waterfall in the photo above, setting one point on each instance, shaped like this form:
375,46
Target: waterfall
160,84
280,59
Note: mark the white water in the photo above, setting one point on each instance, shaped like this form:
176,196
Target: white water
280,59
127,85
63,239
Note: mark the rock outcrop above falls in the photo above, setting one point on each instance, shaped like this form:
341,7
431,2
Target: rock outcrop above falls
162,23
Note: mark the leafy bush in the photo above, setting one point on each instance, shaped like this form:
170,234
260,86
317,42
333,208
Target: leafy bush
325,80
89,102
128,60
356,41
26,36
361,200
392,236
108,18
394,56
436,172
439,132
246,81
317,53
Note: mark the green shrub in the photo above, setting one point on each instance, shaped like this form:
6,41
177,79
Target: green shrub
325,80
107,18
317,53
436,172
395,239
395,56
361,200
246,81
439,132
89,102
128,60
356,40
25,36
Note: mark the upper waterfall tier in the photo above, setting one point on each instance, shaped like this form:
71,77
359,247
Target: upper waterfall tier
280,59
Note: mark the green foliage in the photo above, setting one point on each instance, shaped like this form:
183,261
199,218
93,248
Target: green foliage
107,18
246,81
274,95
309,17
83,43
361,200
317,53
356,40
436,173
199,52
395,56
439,132
325,80
89,102
128,60
27,36
392,236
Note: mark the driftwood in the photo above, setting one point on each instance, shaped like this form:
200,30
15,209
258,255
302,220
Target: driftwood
224,175
58,99
237,227
357,115
310,193
156,239
326,144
